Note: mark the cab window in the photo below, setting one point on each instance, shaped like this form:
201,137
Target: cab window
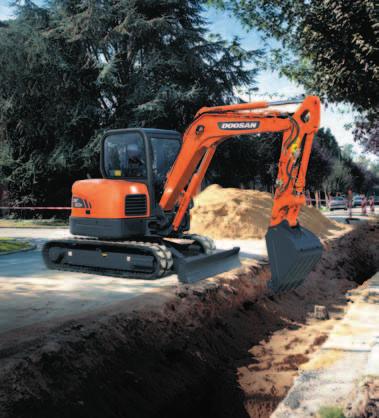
125,156
165,151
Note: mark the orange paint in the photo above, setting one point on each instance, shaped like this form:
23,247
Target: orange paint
107,198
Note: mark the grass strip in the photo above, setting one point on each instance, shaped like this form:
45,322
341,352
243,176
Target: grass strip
8,244
32,223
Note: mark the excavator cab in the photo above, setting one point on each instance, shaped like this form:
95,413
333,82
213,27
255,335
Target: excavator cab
124,204
142,155
127,152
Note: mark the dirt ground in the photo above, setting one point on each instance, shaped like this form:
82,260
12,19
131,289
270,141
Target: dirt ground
243,214
365,400
276,360
223,348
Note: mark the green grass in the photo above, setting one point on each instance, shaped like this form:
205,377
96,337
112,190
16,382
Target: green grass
331,412
8,244
32,223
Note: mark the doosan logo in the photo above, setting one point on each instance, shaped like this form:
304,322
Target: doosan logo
232,126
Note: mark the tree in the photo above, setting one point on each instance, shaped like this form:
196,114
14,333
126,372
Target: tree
366,131
76,67
362,179
49,102
253,160
258,158
331,47
340,178
319,168
347,152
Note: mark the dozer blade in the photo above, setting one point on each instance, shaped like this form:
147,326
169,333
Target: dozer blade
293,252
199,267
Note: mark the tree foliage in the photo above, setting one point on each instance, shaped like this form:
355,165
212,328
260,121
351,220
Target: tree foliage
334,169
325,151
76,67
258,157
366,131
330,168
340,178
331,47
253,160
48,110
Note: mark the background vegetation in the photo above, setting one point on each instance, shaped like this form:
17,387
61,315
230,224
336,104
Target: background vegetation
328,46
9,245
73,68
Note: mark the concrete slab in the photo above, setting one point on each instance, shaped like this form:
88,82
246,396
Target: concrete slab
372,368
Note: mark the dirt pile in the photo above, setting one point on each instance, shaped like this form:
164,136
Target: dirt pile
242,214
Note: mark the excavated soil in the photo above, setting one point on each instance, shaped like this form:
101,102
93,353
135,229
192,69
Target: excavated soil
242,214
223,348
364,401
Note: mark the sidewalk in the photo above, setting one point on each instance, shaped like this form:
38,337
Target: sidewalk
337,373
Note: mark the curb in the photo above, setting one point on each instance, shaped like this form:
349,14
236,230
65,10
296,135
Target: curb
23,250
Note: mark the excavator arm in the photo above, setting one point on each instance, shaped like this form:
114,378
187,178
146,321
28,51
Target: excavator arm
293,250
213,126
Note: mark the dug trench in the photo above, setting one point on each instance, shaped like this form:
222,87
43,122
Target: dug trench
223,348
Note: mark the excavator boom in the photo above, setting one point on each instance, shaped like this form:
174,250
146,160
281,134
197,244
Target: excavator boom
213,126
293,251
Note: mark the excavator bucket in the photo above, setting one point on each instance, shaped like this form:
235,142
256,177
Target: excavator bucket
293,252
199,267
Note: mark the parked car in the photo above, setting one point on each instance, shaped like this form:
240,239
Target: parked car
357,201
337,202
376,200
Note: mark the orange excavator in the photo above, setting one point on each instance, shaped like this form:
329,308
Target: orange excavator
133,222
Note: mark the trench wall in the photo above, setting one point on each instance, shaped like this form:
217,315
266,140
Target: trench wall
175,355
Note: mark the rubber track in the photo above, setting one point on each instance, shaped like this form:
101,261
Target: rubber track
206,243
159,251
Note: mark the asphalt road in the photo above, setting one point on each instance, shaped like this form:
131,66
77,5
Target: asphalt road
30,293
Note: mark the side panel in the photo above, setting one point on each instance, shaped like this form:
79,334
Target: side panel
105,199
109,228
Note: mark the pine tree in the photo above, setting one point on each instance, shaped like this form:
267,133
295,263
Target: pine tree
74,68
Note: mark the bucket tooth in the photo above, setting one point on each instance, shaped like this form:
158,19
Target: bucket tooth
293,252
199,267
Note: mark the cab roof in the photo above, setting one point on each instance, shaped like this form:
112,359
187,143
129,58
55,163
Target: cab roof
146,131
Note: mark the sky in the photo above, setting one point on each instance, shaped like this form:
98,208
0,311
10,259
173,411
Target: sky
4,10
270,85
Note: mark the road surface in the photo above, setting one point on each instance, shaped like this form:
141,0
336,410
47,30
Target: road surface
340,215
30,293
